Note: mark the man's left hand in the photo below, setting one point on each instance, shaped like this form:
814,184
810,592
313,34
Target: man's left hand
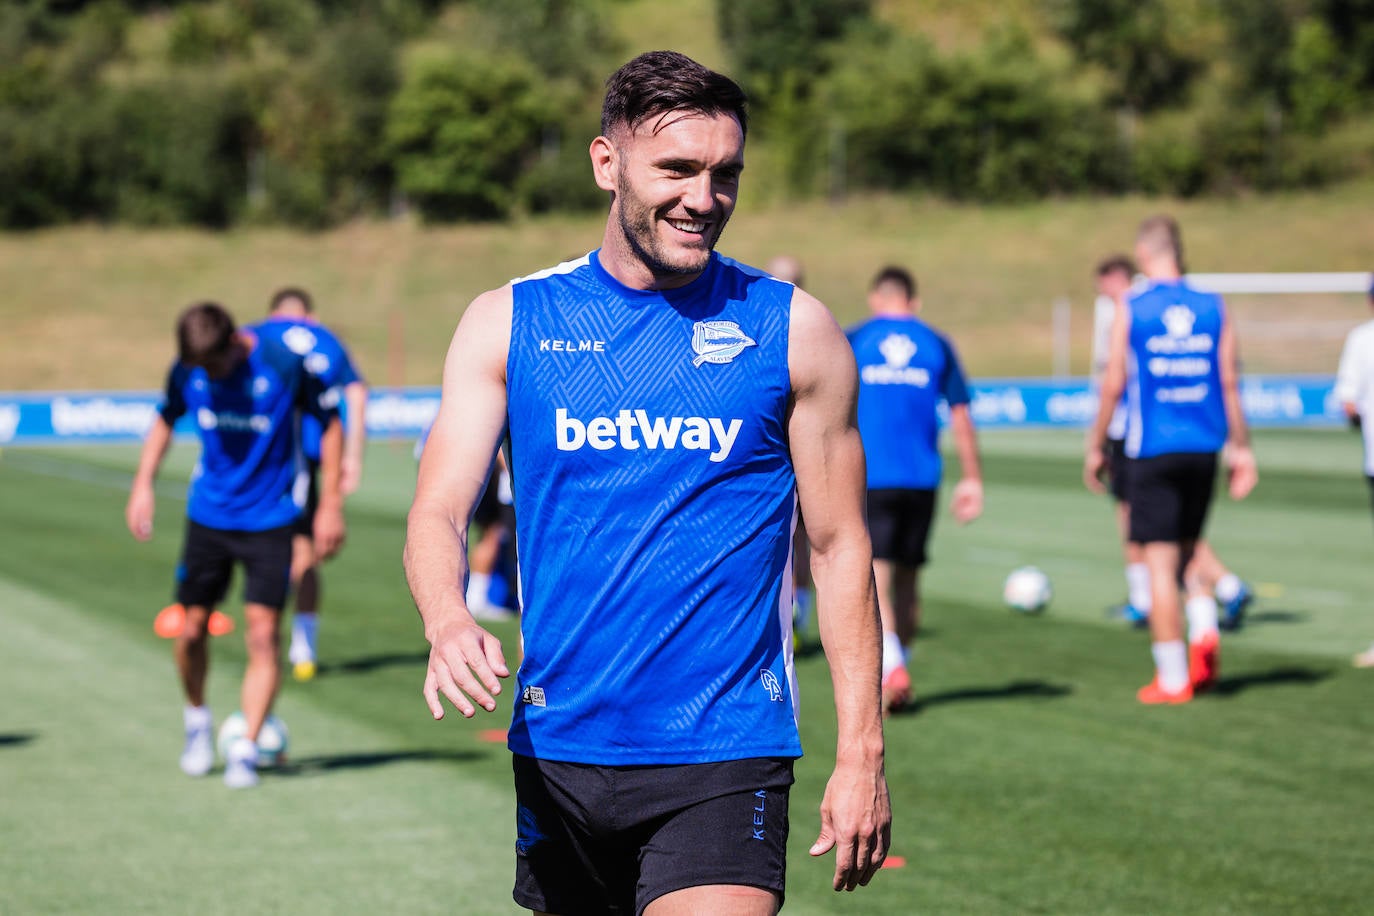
329,530
856,821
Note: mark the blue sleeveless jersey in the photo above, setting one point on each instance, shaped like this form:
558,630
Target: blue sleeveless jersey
1173,389
655,502
251,474
905,369
325,357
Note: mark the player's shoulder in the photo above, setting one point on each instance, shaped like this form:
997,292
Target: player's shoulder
562,269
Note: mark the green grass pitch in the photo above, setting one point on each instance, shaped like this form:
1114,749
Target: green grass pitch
1028,780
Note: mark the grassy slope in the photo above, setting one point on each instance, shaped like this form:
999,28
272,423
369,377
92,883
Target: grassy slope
1028,782
88,307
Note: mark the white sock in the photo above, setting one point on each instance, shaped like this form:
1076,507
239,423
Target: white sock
1138,586
1171,664
479,585
1202,616
304,627
894,656
197,717
1228,588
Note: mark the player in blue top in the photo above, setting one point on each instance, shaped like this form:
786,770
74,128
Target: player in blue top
1115,278
1173,351
291,320
245,396
667,409
906,369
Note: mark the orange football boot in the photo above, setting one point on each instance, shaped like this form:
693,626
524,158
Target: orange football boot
1203,661
1152,694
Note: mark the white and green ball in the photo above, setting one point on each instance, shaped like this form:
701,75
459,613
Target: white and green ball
1027,590
273,739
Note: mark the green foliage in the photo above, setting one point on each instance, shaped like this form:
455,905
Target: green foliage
1323,83
179,150
462,129
1149,48
773,43
995,124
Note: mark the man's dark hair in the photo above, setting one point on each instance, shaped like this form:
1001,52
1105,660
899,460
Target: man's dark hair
204,330
1117,263
896,276
658,82
291,292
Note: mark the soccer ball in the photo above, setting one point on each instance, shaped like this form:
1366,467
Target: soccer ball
1027,590
273,738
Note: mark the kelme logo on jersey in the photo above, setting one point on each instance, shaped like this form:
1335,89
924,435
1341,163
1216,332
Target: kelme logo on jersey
634,429
718,341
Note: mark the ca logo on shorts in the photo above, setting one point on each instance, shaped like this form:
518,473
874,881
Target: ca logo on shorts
770,683
718,341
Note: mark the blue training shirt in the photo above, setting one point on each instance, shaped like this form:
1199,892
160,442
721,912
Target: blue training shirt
325,357
251,475
1173,377
655,504
905,368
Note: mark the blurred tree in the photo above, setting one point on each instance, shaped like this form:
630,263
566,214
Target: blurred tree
1150,48
462,129
777,42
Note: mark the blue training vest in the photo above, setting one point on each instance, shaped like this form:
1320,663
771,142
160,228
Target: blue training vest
905,369
655,503
251,473
325,357
1173,390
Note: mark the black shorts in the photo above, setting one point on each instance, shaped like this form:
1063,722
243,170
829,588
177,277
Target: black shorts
305,525
899,522
599,839
1170,496
208,556
1118,466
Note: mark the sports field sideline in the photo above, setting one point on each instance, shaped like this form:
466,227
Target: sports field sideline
1028,780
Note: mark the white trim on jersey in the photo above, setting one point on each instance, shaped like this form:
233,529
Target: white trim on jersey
566,267
786,597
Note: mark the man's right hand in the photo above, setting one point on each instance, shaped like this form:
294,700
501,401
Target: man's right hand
138,512
465,664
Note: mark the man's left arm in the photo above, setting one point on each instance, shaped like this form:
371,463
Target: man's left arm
1240,459
1109,394
828,457
355,436
321,402
967,504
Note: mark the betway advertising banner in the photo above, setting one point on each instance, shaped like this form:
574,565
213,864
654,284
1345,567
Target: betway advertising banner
46,418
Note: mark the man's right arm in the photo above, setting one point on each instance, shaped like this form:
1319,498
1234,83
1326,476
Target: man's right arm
138,511
1240,460
465,661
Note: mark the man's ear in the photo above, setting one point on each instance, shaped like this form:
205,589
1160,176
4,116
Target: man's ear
605,163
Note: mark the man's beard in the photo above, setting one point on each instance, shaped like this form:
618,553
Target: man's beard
638,223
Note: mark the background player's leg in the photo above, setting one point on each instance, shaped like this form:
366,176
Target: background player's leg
263,675
716,899
305,584
1171,683
906,602
896,678
1204,639
1136,610
263,637
191,652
